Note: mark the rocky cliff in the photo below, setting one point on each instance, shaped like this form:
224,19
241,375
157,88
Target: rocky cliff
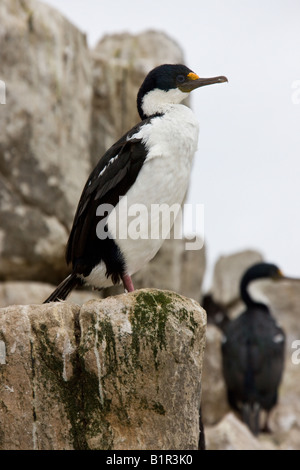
44,150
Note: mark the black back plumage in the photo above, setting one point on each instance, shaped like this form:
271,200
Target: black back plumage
118,169
253,355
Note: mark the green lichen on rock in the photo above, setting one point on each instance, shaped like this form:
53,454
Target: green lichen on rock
149,318
110,364
106,333
79,394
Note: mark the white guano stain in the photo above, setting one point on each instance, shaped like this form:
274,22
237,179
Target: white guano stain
2,352
34,436
98,362
67,351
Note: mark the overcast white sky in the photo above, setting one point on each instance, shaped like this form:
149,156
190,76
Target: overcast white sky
247,168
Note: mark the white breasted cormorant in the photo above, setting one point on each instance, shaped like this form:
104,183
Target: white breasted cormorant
149,165
253,353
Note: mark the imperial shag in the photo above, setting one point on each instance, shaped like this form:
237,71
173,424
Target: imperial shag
253,353
149,165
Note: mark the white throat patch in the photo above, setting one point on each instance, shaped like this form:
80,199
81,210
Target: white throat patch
256,290
158,101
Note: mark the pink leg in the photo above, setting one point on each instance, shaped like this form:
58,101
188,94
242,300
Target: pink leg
127,282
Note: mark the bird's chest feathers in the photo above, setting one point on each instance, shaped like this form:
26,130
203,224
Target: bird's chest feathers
174,135
171,141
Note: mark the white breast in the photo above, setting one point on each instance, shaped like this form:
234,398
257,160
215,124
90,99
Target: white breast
171,141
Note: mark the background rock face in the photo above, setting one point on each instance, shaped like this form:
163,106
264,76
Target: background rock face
44,143
122,373
120,64
231,434
227,275
65,106
29,292
214,396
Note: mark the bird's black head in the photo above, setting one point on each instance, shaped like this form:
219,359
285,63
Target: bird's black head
168,83
263,270
255,272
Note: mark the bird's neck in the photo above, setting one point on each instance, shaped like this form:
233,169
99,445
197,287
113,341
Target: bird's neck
159,102
248,299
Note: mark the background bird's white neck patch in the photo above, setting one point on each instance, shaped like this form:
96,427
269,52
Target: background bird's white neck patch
256,290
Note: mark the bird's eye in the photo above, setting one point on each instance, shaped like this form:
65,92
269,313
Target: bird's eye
180,78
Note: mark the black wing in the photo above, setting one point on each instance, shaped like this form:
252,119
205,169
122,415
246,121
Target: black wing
112,177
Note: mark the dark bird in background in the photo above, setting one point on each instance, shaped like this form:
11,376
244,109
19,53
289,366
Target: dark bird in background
150,165
253,351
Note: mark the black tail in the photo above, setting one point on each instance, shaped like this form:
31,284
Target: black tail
250,416
63,290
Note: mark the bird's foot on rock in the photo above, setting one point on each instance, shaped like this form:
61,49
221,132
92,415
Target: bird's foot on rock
127,282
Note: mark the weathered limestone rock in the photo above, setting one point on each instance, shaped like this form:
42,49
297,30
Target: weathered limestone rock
45,137
227,275
36,376
120,64
193,265
120,373
214,397
158,337
232,434
285,419
29,292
